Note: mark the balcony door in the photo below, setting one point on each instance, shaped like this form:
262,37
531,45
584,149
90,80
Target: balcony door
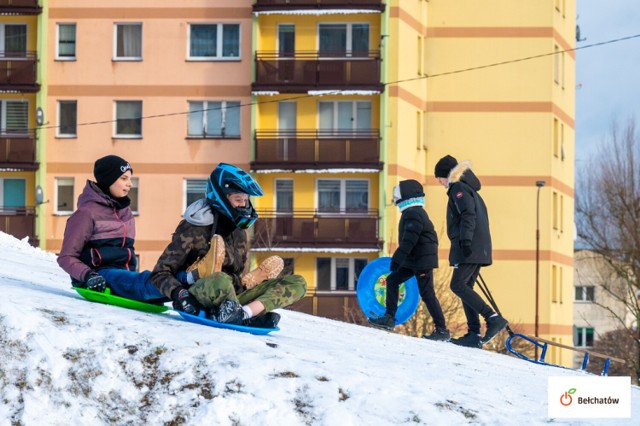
344,116
12,194
287,125
286,52
339,40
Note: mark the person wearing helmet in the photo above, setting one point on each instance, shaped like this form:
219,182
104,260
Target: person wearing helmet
211,244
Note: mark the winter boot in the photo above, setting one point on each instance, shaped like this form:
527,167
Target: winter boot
470,340
229,312
210,262
267,270
386,322
439,334
268,320
494,326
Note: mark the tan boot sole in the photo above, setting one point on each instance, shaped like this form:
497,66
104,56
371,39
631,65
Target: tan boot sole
268,269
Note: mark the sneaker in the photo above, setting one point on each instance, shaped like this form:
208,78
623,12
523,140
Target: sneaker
494,326
268,320
386,322
268,269
439,334
469,340
210,262
229,312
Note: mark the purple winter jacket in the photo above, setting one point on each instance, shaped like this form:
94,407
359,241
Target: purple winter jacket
98,234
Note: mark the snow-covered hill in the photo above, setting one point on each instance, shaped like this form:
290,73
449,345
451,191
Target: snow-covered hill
66,361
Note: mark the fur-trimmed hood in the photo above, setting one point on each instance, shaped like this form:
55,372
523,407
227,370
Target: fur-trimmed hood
463,173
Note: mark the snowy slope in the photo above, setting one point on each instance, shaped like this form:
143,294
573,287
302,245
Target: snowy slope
66,361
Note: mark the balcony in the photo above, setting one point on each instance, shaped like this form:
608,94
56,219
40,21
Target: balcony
305,71
18,151
18,72
317,149
19,222
273,5
21,7
320,230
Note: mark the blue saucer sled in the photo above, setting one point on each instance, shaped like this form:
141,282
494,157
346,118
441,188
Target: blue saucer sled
372,291
202,320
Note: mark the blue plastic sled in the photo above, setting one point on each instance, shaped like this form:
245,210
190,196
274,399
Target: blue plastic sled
202,320
372,291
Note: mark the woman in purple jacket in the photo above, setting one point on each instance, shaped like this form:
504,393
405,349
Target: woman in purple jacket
97,250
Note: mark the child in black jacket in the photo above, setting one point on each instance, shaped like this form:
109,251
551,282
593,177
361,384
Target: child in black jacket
417,254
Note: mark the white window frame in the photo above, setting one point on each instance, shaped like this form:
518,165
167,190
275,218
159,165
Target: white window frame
223,112
3,114
117,135
135,183
115,42
75,42
59,134
333,285
584,291
275,196
219,41
3,25
185,185
354,114
57,182
348,41
2,206
343,195
582,332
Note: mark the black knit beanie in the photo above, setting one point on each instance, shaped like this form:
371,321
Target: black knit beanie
444,166
108,169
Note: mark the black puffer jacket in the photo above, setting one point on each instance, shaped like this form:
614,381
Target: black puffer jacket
418,241
467,217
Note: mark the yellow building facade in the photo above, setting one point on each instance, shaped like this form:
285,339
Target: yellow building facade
454,82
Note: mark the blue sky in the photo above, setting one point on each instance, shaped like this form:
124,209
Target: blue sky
607,77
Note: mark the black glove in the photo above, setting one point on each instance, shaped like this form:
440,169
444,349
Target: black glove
466,247
184,301
95,282
394,266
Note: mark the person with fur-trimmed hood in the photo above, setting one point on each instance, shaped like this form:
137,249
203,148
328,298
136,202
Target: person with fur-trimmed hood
468,230
416,255
211,244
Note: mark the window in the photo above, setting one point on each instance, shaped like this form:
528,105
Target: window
214,41
561,213
194,190
583,337
338,274
555,210
128,42
66,49
133,196
67,119
214,119
340,40
14,117
64,195
554,283
129,119
419,54
286,40
12,194
339,195
561,141
344,116
419,142
585,293
284,195
13,39
556,143
289,265
560,284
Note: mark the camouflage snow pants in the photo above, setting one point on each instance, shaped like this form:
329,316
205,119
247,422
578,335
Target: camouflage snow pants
274,294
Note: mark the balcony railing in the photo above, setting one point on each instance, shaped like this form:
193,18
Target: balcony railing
19,222
18,150
305,71
23,7
18,72
271,5
317,149
313,229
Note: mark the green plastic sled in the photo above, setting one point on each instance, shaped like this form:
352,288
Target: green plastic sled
109,299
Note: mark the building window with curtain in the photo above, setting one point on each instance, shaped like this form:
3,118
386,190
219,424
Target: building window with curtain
14,40
214,119
343,40
67,119
128,119
338,117
66,46
343,195
128,42
214,41
194,190
284,195
14,117
338,274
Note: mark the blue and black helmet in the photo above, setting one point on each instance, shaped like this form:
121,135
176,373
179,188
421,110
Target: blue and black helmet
228,179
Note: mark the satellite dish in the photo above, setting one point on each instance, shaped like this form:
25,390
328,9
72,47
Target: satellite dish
39,195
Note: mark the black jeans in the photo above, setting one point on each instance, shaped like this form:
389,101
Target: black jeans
425,287
462,281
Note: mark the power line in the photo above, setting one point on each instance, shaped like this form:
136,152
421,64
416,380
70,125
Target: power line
306,95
